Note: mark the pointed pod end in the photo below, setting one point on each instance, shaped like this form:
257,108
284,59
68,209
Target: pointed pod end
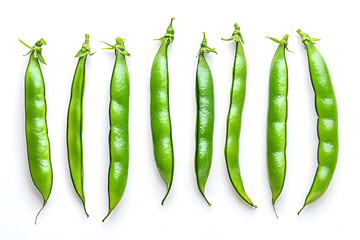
301,210
273,204
37,215
107,215
87,215
167,193
203,194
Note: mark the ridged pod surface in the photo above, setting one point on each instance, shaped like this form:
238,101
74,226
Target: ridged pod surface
327,125
75,123
119,126
233,126
204,89
38,145
276,120
160,112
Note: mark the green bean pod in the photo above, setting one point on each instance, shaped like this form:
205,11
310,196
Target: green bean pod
237,98
38,145
327,125
75,123
204,89
276,120
119,126
160,112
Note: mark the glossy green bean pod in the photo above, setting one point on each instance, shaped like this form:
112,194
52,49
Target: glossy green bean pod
119,126
237,98
160,111
75,123
38,145
276,120
327,125
204,89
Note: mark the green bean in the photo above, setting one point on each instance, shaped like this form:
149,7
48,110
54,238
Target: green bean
75,123
237,98
38,145
276,120
160,113
119,126
327,125
204,89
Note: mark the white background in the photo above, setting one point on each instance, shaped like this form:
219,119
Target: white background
185,214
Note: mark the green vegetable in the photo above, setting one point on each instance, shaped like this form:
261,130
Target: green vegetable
160,113
38,145
205,118
326,108
119,126
237,98
276,120
75,123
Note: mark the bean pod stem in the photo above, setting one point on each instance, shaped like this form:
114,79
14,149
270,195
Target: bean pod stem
237,98
75,123
160,111
276,120
204,90
119,126
327,125
38,145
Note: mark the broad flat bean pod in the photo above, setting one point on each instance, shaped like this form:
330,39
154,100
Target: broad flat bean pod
276,120
119,126
233,126
204,89
327,125
38,145
75,123
160,111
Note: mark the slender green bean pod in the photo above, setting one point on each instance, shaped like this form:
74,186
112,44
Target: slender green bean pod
327,125
160,111
276,120
204,89
237,98
75,123
119,126
38,145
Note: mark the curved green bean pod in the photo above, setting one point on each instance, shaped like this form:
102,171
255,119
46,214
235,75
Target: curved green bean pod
327,126
160,112
119,126
204,90
276,120
237,98
38,145
75,123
